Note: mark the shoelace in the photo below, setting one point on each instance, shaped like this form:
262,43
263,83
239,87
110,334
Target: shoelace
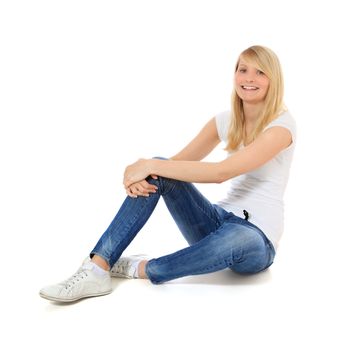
77,277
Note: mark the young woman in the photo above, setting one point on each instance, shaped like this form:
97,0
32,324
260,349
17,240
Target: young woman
242,231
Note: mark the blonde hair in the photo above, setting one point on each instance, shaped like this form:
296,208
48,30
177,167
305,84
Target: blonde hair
265,60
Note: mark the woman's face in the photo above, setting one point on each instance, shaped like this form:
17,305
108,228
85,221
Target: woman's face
251,84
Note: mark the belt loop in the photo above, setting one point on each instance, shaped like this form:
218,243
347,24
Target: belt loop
246,215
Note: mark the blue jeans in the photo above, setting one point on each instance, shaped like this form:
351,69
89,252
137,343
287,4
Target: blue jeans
217,239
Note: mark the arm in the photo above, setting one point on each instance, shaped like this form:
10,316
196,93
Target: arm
205,141
260,151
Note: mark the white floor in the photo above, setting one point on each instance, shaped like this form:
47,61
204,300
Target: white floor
306,300
291,306
87,87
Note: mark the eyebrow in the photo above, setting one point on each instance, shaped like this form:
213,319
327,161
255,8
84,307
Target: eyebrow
245,65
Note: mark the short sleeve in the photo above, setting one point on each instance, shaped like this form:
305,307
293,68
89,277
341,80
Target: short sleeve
222,123
284,120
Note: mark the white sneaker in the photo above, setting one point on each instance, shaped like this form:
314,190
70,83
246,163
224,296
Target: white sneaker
83,284
126,267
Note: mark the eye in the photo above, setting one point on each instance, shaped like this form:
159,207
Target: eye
259,72
242,70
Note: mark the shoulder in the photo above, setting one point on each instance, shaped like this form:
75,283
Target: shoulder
222,123
223,118
284,120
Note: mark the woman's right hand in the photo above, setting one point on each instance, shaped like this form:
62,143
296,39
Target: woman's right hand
141,188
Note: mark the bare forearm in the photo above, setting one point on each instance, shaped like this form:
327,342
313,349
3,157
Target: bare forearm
189,171
183,170
263,149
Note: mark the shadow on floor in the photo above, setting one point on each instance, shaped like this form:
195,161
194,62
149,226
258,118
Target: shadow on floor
223,278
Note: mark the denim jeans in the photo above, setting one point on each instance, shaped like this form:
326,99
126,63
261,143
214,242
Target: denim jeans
217,239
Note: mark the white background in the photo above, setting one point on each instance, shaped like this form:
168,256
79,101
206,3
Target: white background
87,87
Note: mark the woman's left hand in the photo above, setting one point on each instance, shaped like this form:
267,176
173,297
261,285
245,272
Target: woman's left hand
136,172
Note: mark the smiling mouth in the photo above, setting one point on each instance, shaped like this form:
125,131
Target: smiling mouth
250,88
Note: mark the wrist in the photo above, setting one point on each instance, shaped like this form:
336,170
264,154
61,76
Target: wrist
154,165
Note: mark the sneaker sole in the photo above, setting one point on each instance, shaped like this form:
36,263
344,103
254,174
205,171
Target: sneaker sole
48,297
121,276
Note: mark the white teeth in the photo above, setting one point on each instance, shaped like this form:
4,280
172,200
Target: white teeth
249,88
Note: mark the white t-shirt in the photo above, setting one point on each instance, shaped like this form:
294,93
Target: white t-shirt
261,191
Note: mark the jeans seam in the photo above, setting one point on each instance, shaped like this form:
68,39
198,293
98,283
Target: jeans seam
216,221
162,187
126,228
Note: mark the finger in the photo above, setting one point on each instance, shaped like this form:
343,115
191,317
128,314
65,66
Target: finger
138,190
141,190
127,183
130,193
148,187
134,190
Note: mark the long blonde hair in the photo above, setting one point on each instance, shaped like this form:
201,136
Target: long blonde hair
265,60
